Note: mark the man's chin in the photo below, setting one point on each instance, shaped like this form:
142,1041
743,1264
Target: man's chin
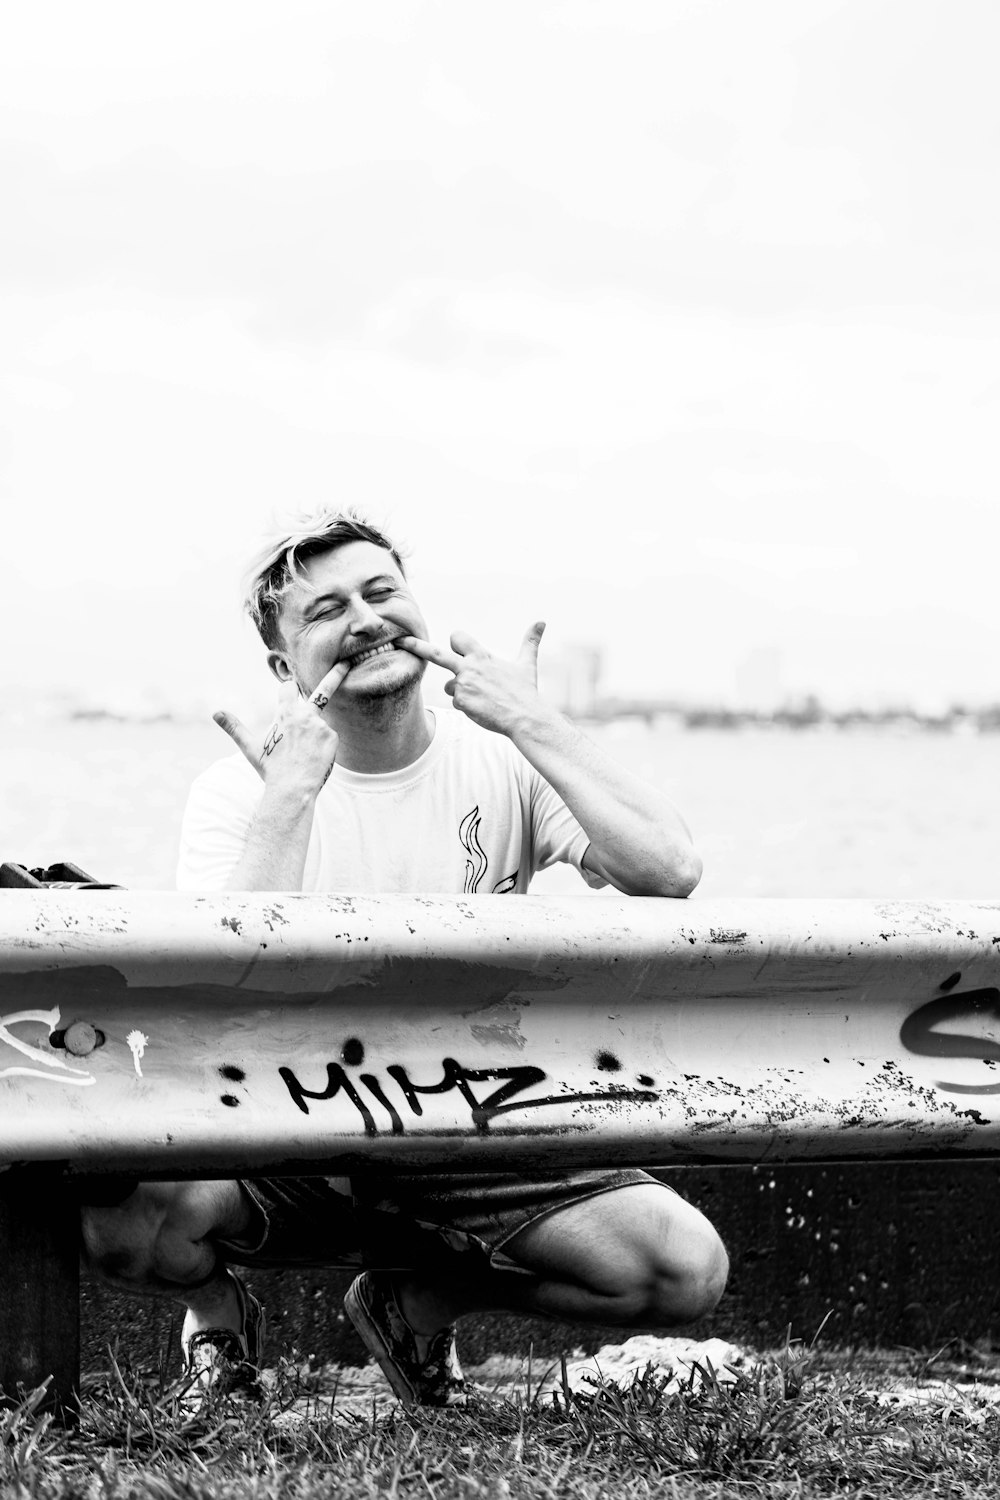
387,677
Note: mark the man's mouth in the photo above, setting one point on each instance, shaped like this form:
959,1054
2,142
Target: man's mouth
382,649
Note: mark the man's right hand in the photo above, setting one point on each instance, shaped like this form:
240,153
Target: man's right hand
300,748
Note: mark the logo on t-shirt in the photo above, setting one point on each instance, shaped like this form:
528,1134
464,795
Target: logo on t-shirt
477,863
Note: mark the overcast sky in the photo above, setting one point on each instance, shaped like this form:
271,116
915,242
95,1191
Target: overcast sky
675,324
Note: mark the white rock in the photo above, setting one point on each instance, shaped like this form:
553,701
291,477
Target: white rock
672,1357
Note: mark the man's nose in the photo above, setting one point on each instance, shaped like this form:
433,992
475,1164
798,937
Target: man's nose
362,619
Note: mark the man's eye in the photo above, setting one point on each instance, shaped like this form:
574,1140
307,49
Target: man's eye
380,594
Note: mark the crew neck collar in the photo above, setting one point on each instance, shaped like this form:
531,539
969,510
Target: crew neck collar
386,780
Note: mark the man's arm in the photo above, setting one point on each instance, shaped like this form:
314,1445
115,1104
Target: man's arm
294,763
638,840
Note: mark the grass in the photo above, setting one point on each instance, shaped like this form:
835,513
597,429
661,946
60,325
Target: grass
795,1424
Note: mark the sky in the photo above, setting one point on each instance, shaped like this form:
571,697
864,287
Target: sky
672,323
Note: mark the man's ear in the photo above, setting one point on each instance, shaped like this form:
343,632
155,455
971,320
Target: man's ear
278,663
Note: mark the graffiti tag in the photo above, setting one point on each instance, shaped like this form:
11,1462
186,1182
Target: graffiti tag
54,1068
918,1034
513,1081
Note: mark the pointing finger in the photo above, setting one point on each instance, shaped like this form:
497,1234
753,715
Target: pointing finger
441,658
465,644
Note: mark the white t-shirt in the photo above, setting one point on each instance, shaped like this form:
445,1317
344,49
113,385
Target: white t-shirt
471,816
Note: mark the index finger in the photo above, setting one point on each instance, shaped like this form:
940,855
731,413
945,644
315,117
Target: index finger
328,685
450,660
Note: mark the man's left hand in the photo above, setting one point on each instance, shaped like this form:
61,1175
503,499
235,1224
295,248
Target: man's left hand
494,693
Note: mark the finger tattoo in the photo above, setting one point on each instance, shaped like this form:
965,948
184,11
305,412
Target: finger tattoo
319,700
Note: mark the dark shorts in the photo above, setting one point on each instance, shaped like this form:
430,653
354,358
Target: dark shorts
414,1222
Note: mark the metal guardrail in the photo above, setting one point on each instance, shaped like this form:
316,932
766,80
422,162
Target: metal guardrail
163,1034
171,1034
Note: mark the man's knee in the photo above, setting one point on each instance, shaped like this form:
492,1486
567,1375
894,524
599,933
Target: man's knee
119,1240
650,1258
681,1263
672,1272
159,1238
691,1283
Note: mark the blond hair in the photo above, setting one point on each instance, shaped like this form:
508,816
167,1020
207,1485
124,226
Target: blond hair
280,564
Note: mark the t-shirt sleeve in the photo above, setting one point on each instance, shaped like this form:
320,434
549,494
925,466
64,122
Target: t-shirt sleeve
556,836
220,806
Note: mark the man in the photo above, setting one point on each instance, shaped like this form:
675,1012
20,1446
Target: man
359,787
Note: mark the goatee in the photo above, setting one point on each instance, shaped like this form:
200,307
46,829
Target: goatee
387,705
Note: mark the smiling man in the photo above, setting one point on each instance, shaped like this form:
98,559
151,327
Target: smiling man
359,787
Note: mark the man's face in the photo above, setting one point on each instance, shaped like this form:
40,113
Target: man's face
357,604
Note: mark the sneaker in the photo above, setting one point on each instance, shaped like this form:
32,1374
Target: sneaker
223,1360
436,1379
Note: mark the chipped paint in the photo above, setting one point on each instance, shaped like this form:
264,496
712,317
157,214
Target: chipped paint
499,1035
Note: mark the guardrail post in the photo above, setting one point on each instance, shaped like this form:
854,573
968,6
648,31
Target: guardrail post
40,1286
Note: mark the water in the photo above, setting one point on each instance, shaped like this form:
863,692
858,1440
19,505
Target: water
774,812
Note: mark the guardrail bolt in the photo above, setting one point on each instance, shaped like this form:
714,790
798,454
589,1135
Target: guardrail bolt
81,1038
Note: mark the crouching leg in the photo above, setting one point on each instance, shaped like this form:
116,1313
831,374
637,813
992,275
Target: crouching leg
636,1257
160,1242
